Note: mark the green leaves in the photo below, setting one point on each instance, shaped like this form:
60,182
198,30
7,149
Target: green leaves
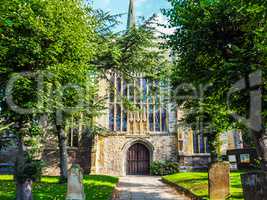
8,22
67,45
218,43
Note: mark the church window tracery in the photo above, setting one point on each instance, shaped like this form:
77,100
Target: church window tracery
150,114
200,143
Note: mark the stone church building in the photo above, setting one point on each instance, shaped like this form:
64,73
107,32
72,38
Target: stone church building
136,138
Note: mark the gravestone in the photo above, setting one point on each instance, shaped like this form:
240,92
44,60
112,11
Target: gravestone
254,185
27,190
219,181
75,184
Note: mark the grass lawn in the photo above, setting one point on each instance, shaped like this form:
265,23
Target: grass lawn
197,182
96,188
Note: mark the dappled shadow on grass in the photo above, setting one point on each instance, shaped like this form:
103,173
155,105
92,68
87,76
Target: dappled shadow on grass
237,196
197,182
96,188
236,187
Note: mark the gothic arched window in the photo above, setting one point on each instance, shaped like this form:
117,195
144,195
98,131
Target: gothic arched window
200,143
150,116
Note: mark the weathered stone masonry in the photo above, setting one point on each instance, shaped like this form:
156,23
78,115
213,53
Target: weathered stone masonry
111,151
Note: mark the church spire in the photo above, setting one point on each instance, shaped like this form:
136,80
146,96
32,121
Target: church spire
131,15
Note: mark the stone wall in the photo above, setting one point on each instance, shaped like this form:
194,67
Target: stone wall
75,155
51,160
194,162
111,151
80,155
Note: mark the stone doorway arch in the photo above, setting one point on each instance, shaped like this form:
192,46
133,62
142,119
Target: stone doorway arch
138,160
142,158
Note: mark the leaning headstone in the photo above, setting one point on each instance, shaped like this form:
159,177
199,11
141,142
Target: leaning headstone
254,185
219,181
75,184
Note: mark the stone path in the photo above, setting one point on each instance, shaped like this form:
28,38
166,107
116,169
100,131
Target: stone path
145,188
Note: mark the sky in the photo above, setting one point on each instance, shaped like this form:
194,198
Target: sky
144,8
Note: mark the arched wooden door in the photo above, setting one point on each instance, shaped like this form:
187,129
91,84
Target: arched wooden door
138,160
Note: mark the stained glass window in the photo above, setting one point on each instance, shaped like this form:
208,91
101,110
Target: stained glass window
207,146
157,92
150,92
73,137
157,121
151,118
200,143
196,142
144,86
125,89
145,95
138,91
131,92
111,117
118,86
124,126
111,94
118,117
163,119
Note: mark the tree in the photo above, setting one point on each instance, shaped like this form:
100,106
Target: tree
38,37
221,46
65,48
3,128
124,55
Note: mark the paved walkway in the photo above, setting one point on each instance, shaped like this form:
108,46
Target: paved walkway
145,188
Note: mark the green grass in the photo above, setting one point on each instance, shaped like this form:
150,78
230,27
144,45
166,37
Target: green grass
197,182
96,187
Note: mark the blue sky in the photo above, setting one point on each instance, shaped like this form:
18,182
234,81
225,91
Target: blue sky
144,8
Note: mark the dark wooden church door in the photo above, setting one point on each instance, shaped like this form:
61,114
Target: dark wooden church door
138,160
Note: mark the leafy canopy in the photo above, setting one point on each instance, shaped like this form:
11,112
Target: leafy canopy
216,44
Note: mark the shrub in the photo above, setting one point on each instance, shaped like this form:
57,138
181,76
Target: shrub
162,168
32,169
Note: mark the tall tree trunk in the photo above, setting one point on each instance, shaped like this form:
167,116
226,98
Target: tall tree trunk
212,141
20,161
63,154
256,100
23,187
260,139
